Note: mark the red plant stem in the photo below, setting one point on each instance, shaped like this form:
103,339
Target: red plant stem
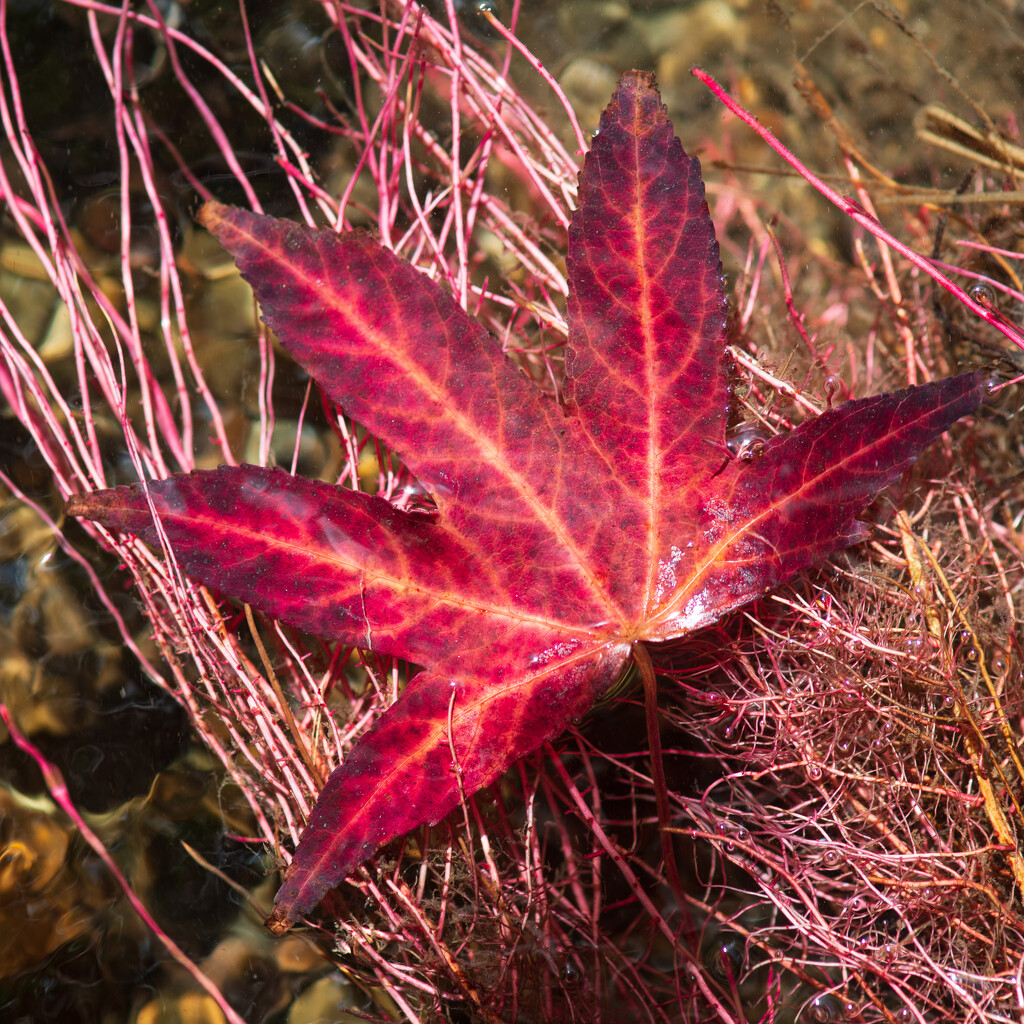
58,790
796,318
508,36
636,887
856,212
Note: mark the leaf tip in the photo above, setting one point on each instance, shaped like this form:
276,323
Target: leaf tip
633,87
292,900
77,505
211,214
279,922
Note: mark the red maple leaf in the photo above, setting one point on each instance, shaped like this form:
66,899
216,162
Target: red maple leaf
564,534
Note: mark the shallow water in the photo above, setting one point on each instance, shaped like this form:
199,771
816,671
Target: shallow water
71,949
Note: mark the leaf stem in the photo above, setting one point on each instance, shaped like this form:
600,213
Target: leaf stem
642,660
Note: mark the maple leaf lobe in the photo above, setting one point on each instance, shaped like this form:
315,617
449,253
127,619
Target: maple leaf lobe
559,541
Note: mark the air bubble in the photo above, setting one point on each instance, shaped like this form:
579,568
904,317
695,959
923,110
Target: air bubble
814,772
724,958
742,835
823,1009
831,858
751,450
983,294
948,700
747,442
571,975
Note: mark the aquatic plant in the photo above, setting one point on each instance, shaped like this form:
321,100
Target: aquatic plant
839,762
562,537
